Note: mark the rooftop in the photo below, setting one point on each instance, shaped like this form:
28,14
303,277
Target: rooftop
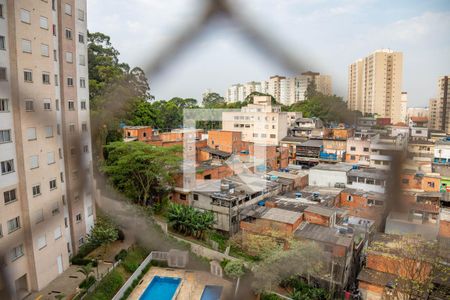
294,139
376,277
313,143
369,173
341,167
320,210
281,215
324,234
216,152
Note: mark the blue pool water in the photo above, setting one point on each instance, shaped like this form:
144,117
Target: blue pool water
161,288
211,292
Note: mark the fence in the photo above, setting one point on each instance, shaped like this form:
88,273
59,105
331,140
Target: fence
101,276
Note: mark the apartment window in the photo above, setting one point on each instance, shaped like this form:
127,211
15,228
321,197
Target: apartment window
72,151
195,196
36,189
58,129
2,43
57,233
25,16
366,149
31,133
45,50
85,148
69,81
10,196
255,135
7,166
28,75
3,76
82,59
68,9
405,181
5,136
60,153
39,216
272,136
47,104
43,21
1,10
78,218
352,148
29,105
431,184
81,15
48,131
54,4
45,78
263,135
54,29
84,127
81,38
41,242
61,175
68,33
55,55
82,83
83,105
350,198
69,57
51,159
17,252
13,224
26,46
34,162
56,80
52,184
4,105
71,105
57,104
66,222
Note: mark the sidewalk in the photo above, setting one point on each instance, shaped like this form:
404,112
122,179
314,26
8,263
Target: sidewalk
67,283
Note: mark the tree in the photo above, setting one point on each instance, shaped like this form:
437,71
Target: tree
190,221
249,99
144,173
86,270
213,100
311,90
416,263
235,269
103,233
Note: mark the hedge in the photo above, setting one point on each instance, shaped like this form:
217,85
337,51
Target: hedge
108,287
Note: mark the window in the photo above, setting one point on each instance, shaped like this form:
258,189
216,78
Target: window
272,136
54,29
2,43
36,189
66,222
55,55
4,105
34,162
82,59
25,16
85,148
3,76
10,196
90,210
47,104
68,33
350,198
44,50
69,81
5,136
29,105
39,216
56,80
82,83
1,231
28,75
84,127
43,21
52,184
57,233
7,166
71,105
69,57
60,153
41,242
17,252
81,38
405,181
68,9
58,129
13,224
61,175
1,10
263,135
81,15
26,46
54,4
352,148
57,104
50,158
195,196
48,131
45,78
31,133
430,184
83,105
366,149
78,218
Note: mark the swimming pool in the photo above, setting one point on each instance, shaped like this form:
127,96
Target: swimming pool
211,292
161,288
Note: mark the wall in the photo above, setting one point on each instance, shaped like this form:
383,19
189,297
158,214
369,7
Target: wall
326,178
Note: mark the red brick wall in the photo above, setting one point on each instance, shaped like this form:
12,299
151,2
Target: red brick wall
316,219
444,229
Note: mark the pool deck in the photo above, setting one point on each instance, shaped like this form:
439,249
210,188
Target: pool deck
192,283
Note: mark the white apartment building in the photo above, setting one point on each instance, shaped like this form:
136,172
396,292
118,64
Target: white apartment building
46,201
260,122
375,84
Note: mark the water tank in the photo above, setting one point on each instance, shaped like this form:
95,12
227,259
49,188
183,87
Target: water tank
224,187
298,195
316,195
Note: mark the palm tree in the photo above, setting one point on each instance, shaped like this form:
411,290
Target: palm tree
86,270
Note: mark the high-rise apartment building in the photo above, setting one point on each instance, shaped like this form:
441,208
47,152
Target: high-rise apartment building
285,90
404,107
375,84
46,199
439,108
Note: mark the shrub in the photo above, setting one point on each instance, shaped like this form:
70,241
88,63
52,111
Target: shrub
85,249
78,261
87,283
121,255
108,287
121,235
133,259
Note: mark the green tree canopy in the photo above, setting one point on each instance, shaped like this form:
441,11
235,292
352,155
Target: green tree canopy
142,172
213,100
190,221
103,233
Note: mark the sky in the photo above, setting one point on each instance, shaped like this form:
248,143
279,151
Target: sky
323,35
